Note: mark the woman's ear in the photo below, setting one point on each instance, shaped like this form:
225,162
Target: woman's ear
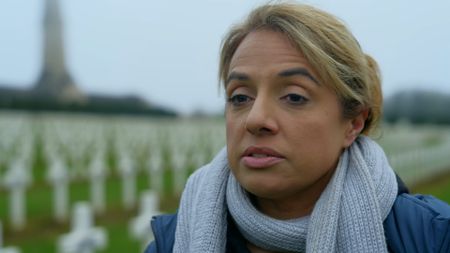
356,125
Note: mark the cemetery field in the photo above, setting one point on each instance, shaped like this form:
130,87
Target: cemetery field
127,169
42,231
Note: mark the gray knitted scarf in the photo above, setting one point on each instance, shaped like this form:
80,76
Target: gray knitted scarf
348,217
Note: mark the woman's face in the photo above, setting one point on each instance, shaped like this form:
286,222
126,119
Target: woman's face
285,130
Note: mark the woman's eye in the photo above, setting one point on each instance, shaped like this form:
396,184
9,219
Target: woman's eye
297,99
238,99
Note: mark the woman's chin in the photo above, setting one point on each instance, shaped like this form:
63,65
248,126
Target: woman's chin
268,189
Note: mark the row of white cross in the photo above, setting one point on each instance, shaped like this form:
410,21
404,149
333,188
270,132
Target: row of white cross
84,237
412,165
138,139
17,179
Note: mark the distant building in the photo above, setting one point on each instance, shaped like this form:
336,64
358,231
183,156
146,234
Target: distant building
56,90
55,81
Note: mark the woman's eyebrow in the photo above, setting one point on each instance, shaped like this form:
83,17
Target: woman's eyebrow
236,76
297,71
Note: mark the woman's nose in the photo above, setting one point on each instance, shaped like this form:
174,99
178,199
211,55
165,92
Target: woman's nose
261,119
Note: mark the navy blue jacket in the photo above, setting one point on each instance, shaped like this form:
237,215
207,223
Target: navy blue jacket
416,223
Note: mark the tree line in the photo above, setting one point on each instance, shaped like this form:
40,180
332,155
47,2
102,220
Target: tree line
418,107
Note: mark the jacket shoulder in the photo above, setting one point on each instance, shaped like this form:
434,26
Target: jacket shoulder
418,223
163,227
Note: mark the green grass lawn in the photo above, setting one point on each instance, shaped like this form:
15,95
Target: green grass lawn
42,232
439,187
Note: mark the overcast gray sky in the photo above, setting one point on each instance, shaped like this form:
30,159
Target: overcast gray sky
167,51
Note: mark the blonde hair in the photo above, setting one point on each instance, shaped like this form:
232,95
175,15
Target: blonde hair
328,46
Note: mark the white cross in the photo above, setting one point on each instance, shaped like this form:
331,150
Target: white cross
97,172
128,174
179,169
83,238
155,170
16,180
58,177
139,227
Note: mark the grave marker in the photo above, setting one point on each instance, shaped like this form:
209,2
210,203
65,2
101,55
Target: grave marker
155,171
84,238
16,179
139,227
97,172
128,174
179,170
59,179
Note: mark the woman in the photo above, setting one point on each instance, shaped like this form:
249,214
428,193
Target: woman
298,173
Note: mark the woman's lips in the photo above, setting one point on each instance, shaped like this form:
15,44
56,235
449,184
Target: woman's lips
261,157
260,162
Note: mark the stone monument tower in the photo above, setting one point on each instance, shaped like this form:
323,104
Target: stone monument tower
55,82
